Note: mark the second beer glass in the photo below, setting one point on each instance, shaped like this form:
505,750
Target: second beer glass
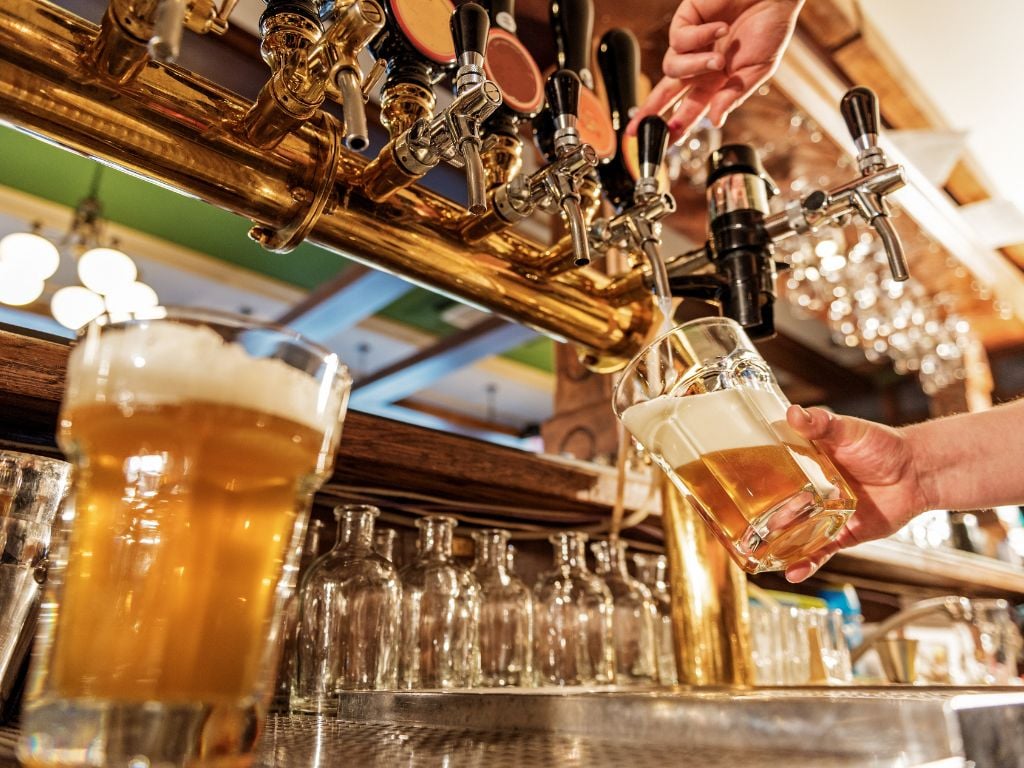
705,405
198,440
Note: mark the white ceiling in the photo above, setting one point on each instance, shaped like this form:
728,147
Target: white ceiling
964,59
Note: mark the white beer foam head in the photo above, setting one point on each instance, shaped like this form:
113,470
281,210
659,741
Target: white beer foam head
169,363
682,429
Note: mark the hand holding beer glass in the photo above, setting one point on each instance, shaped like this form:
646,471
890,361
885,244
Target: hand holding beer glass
705,405
197,440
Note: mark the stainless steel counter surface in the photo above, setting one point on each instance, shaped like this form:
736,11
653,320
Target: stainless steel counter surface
892,727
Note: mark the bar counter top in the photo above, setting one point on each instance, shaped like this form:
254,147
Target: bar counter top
847,727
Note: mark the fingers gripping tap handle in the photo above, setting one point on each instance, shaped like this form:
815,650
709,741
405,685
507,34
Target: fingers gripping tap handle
859,108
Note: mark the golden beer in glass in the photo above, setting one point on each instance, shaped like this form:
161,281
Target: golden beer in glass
705,405
197,441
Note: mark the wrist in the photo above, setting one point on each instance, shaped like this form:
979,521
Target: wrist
921,467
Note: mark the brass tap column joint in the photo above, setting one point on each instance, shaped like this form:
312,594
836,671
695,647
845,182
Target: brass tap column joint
133,31
402,104
454,134
309,65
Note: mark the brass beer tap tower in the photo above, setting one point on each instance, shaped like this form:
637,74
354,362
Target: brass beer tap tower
289,166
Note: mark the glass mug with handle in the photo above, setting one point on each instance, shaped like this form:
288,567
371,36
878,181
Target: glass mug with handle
197,441
705,405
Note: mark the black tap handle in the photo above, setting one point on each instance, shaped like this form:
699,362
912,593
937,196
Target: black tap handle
619,58
563,93
503,14
572,21
652,141
859,108
470,26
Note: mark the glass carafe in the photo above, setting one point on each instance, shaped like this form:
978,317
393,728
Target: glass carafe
348,617
384,543
506,614
290,623
31,491
572,619
440,613
632,617
652,571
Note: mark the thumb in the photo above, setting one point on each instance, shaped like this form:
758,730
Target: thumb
825,427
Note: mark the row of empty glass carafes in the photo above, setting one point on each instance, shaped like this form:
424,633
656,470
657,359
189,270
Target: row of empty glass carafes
361,624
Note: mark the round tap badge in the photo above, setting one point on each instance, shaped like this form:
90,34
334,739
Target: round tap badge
426,25
595,126
511,66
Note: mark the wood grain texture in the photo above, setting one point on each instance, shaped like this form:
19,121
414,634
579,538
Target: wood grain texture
374,452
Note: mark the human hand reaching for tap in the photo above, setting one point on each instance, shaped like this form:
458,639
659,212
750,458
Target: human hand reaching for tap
720,52
969,461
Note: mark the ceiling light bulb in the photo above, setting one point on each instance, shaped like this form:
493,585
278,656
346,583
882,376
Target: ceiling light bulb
30,254
826,248
131,299
18,288
74,306
104,270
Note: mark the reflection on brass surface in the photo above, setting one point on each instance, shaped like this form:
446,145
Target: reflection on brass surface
117,53
502,157
590,197
385,175
402,104
710,615
308,65
178,130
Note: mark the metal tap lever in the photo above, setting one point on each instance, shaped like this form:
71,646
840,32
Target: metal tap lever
618,56
168,24
859,108
470,25
864,196
638,228
355,24
455,133
652,141
562,186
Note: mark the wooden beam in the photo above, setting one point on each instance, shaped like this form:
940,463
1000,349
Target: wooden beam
354,295
491,336
375,452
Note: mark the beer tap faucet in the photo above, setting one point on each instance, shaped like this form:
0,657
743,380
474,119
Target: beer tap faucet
555,188
309,64
864,196
454,134
736,268
638,227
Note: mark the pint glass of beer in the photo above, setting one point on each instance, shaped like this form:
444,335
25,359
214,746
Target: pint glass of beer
197,442
705,405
